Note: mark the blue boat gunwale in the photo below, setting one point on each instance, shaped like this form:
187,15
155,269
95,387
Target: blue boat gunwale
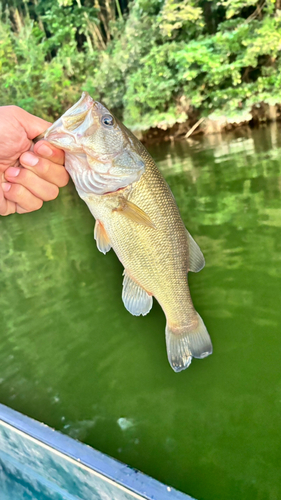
110,470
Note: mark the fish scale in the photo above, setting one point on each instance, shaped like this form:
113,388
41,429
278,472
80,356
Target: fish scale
163,273
139,219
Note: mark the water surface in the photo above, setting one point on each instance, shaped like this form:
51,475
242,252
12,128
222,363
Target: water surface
74,358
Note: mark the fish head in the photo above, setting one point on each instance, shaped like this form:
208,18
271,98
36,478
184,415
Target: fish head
100,154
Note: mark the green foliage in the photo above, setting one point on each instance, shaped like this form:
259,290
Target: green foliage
142,61
178,14
235,7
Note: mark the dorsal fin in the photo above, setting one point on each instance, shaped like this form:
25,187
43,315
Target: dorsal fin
196,258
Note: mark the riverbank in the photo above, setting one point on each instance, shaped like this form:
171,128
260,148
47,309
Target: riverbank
213,124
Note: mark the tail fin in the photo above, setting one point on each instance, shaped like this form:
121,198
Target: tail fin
185,343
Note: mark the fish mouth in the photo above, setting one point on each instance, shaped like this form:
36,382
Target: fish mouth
72,118
68,122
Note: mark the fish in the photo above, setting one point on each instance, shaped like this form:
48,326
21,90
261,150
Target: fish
137,216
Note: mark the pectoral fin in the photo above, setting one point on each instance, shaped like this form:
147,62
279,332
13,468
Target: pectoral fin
133,212
136,300
196,258
101,238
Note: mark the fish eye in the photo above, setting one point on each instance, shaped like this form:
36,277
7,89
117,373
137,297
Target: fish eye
107,120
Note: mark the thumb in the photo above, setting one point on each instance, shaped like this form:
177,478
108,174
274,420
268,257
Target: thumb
33,125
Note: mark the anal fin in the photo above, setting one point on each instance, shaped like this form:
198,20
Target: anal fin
101,238
136,300
196,257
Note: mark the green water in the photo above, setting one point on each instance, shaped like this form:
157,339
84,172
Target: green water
73,357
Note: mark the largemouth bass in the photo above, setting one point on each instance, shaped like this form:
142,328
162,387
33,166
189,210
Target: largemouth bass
136,215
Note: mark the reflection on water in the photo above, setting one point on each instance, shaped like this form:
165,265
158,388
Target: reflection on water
73,357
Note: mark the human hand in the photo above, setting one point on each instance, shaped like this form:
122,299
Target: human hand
29,174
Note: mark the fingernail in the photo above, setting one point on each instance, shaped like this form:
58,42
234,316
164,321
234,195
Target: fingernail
12,172
29,159
6,186
44,150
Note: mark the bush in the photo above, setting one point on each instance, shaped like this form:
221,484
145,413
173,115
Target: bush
141,59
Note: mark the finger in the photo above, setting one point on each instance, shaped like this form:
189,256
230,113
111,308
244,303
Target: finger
21,210
6,207
46,169
38,187
47,150
31,124
21,196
